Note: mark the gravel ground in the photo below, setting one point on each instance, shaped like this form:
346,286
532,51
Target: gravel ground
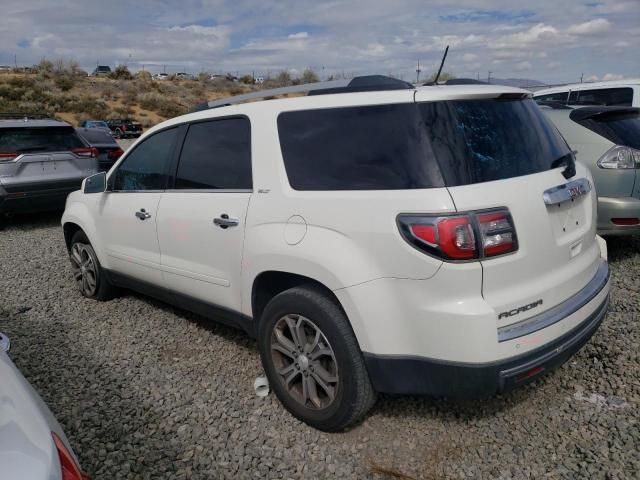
147,391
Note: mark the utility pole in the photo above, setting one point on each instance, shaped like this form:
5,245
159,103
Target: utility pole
418,70
478,76
489,76
581,75
15,60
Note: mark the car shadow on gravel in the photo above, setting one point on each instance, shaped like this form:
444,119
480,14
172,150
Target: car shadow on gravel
622,247
33,221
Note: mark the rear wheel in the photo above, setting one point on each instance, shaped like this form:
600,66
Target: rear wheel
87,272
313,360
118,133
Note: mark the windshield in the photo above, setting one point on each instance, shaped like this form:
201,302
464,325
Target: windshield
49,139
622,128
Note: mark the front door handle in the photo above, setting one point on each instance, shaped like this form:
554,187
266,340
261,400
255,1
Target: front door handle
142,214
224,222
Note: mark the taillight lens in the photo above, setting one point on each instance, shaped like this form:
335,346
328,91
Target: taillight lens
69,467
86,152
7,156
115,154
471,236
619,157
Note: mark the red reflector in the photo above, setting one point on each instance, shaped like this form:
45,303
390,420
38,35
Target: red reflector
86,152
456,238
625,221
69,467
529,373
426,233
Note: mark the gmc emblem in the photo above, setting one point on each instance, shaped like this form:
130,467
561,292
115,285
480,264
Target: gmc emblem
519,310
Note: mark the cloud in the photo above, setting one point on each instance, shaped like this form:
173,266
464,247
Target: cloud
591,27
298,35
243,37
539,34
523,66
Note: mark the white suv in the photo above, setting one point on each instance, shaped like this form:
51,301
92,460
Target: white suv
373,237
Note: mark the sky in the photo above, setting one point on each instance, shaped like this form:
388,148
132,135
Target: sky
548,40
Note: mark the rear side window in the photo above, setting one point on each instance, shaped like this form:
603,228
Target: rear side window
357,148
146,167
216,155
40,139
621,128
424,145
602,96
484,140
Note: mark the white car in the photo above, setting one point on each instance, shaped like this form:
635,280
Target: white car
32,443
619,93
373,237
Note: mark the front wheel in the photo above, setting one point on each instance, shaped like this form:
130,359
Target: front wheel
312,359
87,272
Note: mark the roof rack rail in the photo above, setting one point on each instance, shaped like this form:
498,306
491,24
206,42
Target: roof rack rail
366,83
25,116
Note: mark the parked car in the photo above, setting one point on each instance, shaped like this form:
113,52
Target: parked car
607,141
184,76
125,128
101,71
625,93
41,161
161,76
99,124
108,150
373,236
32,443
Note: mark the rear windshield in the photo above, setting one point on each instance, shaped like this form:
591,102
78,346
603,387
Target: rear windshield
409,146
619,128
44,139
96,136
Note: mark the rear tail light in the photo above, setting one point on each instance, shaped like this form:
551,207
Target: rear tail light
86,152
68,465
625,221
620,158
7,156
115,154
470,236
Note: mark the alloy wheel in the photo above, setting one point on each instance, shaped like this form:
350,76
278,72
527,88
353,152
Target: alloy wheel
305,362
85,270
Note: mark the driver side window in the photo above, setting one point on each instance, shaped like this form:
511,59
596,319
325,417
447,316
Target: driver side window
146,167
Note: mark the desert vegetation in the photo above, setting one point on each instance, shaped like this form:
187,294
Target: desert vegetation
63,90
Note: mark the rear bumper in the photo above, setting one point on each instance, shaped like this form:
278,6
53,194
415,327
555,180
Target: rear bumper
617,207
397,374
36,197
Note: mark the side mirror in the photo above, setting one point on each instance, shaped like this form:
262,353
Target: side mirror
95,183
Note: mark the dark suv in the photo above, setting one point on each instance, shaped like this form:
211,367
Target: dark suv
125,128
42,160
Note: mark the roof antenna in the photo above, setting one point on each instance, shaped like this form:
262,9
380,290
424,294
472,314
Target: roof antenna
444,57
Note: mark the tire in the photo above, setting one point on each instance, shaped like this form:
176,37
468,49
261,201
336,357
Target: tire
118,133
349,394
87,271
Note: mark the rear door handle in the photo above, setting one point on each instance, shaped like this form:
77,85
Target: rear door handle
142,214
224,222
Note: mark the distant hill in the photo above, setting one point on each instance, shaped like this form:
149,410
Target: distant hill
518,82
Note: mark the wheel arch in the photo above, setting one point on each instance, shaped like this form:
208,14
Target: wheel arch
269,283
